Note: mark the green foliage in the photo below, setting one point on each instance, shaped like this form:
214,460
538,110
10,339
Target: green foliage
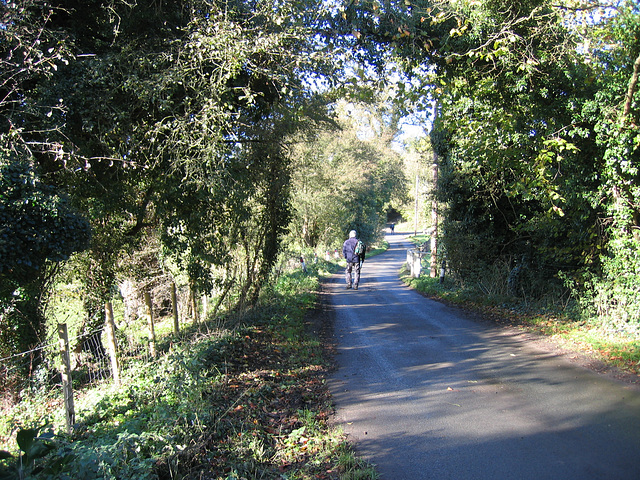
353,468
341,182
612,293
38,228
37,223
243,396
612,298
31,50
170,123
536,136
36,458
186,124
516,172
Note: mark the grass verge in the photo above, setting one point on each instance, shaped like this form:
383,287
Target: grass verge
243,398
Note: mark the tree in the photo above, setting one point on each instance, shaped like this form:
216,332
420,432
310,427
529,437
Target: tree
614,44
521,170
38,228
516,159
157,119
176,120
343,180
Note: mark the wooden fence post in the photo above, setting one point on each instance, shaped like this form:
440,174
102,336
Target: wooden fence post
174,308
65,373
152,331
112,344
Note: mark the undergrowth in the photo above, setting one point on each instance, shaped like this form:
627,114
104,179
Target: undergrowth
239,398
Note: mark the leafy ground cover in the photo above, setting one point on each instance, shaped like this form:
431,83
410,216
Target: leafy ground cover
579,334
243,398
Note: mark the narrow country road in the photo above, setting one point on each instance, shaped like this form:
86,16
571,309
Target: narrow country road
425,392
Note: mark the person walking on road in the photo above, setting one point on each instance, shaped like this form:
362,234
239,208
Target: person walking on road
352,273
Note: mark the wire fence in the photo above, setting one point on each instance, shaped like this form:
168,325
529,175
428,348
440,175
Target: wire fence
90,362
41,372
38,370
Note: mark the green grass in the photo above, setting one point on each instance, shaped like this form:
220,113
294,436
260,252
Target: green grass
378,249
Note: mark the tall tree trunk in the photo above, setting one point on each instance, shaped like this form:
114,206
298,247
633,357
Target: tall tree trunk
633,85
627,121
193,303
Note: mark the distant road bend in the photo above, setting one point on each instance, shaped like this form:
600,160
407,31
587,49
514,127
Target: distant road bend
427,393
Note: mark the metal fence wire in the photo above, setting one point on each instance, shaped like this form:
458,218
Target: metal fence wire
42,372
27,373
90,365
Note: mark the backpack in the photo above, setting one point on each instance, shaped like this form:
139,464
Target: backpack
360,249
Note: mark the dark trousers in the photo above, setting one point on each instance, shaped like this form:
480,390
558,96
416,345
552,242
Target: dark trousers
353,270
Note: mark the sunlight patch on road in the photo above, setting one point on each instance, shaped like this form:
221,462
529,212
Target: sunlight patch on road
431,367
381,326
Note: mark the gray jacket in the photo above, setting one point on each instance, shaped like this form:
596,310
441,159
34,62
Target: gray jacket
349,250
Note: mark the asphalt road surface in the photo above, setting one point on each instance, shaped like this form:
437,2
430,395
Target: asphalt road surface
426,392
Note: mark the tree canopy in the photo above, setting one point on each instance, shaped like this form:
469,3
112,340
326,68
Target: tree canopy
344,178
166,120
535,132
205,127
